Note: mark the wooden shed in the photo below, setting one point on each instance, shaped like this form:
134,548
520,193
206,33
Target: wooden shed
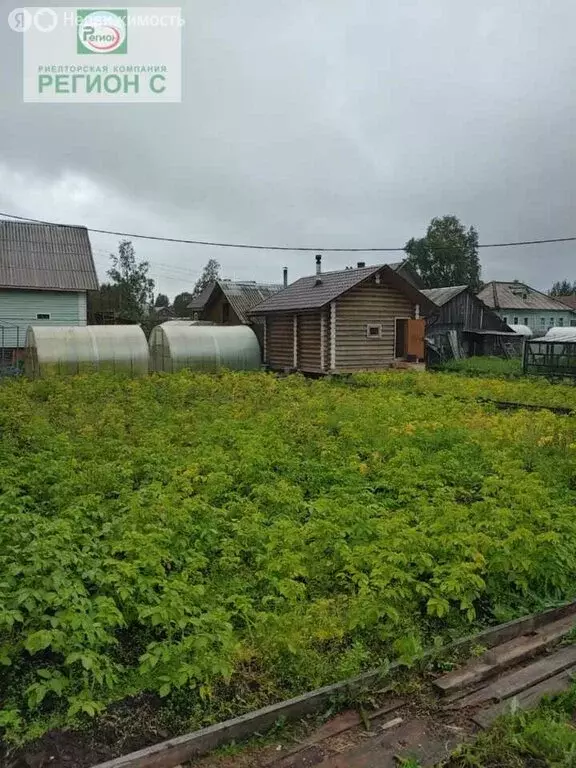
463,325
362,318
229,301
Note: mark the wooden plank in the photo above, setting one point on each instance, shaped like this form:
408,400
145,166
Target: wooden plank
517,681
527,699
504,655
343,722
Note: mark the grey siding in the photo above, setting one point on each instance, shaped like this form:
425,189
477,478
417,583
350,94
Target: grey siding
368,303
20,308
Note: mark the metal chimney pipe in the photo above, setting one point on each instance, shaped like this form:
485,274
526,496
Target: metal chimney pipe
285,273
318,264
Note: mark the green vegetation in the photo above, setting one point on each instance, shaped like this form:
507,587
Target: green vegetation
529,391
485,366
543,737
225,541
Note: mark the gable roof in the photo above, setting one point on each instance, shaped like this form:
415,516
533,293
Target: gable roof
498,295
46,257
408,272
199,302
315,291
241,295
569,301
441,296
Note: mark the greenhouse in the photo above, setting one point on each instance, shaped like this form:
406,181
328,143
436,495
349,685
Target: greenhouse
201,347
57,350
553,356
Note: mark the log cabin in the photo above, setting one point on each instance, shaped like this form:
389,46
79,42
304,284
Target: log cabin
358,319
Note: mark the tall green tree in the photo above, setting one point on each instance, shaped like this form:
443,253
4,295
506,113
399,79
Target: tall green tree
180,305
210,273
447,255
162,300
563,288
135,287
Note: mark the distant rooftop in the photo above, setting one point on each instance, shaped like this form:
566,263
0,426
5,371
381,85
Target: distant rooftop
441,296
569,301
500,295
46,257
242,295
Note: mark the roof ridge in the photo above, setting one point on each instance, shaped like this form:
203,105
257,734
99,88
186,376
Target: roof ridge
347,270
45,224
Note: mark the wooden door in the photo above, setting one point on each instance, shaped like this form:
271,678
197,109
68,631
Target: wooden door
415,338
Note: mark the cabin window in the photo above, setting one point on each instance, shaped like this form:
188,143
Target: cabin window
505,320
225,312
560,321
551,321
525,321
374,331
515,321
543,322
43,316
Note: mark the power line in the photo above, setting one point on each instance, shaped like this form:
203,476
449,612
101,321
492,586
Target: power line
246,246
175,270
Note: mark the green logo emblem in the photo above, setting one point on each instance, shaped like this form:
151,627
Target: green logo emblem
102,31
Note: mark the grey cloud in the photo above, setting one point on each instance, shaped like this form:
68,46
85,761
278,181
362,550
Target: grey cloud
326,122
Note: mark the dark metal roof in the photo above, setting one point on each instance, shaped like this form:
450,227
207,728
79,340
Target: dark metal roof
199,302
441,296
241,295
518,296
315,291
46,257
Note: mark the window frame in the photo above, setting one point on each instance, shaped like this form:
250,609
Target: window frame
43,316
377,335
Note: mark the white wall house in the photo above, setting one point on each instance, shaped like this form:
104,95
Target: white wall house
45,273
519,304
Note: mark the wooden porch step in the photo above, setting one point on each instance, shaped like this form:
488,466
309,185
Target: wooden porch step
503,656
527,699
517,681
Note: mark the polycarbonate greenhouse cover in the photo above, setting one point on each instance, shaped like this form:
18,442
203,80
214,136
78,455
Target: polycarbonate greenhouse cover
74,349
560,334
174,346
521,330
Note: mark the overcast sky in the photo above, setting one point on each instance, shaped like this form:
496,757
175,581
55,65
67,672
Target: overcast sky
323,123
